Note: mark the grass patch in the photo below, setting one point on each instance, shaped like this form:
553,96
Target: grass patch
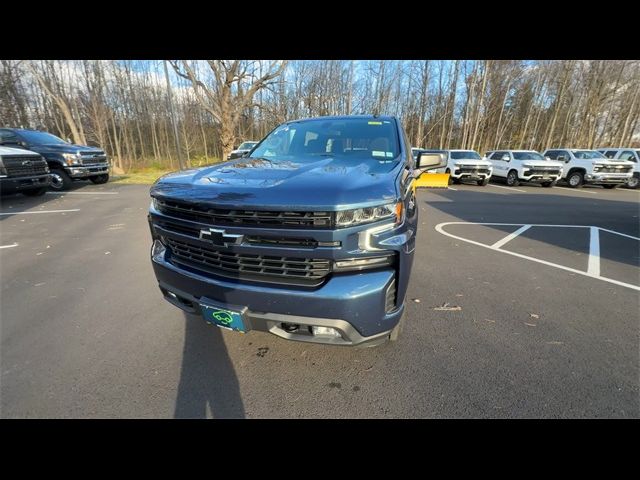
145,176
148,175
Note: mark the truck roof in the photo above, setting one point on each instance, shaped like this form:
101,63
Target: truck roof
344,117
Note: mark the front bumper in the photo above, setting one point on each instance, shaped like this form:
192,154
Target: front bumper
87,171
353,304
540,178
18,184
607,178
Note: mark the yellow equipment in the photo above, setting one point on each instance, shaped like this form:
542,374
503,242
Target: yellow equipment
432,180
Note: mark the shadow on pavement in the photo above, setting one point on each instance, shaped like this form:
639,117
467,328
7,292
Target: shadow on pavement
207,378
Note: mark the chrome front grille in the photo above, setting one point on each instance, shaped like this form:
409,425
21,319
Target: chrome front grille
23,165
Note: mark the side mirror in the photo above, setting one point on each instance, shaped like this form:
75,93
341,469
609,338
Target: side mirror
547,158
506,158
431,161
245,154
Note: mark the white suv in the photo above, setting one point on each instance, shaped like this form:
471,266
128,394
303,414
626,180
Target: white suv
630,155
465,165
591,167
515,166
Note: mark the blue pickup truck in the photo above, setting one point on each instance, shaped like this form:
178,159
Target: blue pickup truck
310,237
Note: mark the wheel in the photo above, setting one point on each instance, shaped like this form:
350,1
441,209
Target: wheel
549,184
575,179
397,330
100,179
484,182
634,181
512,179
35,192
60,180
447,171
610,187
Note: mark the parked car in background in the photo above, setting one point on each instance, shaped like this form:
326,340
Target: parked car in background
582,166
67,161
465,165
23,171
245,147
629,154
516,166
314,242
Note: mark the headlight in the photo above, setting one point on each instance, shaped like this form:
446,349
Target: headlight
348,218
71,158
362,263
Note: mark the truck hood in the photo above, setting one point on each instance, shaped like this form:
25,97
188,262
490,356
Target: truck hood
472,162
64,148
302,184
15,151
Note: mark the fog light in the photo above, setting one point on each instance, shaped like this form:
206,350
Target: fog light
325,332
158,250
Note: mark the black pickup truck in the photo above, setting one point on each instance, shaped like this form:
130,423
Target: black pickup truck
67,162
23,171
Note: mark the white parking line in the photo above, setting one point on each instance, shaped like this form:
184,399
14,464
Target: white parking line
579,190
593,267
82,193
454,189
42,211
589,273
508,188
9,246
511,236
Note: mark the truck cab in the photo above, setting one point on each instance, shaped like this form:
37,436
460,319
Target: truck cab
23,171
68,162
630,155
582,166
518,166
310,237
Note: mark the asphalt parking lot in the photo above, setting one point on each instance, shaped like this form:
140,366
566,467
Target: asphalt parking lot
547,283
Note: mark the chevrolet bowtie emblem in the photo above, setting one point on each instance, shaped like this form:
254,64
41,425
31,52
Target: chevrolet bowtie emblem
220,237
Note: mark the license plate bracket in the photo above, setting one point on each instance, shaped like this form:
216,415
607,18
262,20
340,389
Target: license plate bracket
231,317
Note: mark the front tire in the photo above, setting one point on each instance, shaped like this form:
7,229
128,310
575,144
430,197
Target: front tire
634,181
483,183
575,179
60,181
549,184
100,179
512,179
35,192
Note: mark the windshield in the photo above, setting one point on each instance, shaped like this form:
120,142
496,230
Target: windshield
360,138
40,138
587,154
527,156
466,154
247,145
